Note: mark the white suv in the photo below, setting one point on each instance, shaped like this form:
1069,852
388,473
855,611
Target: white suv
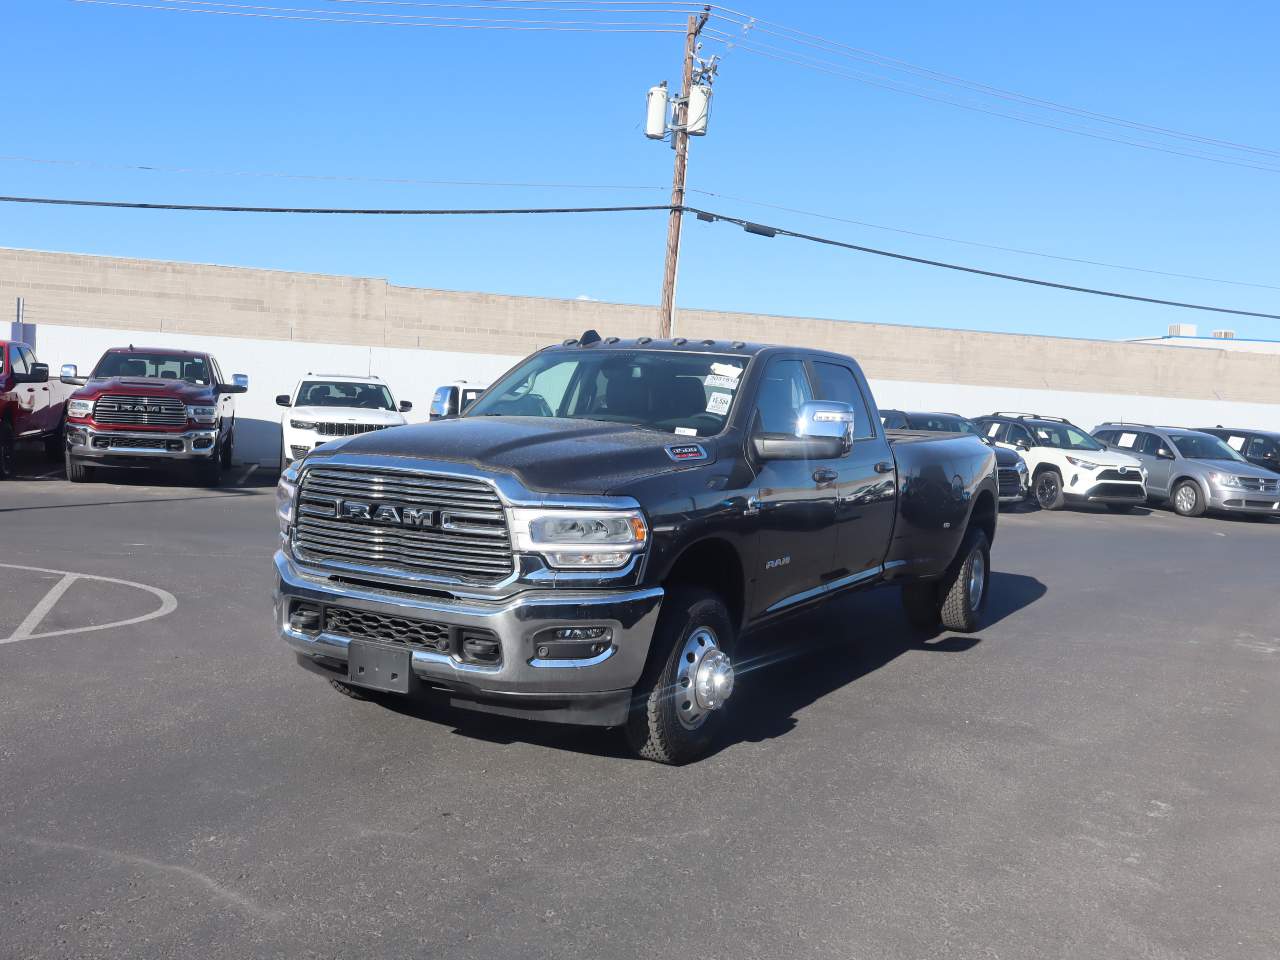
1066,464
323,407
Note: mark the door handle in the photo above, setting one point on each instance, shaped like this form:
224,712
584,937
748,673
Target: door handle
884,466
825,475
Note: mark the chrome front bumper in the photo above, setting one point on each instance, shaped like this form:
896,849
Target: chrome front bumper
91,443
521,675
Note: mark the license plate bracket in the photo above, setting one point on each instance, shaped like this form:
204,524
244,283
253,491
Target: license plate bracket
379,666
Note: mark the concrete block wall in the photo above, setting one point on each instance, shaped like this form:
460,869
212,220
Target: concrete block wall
277,325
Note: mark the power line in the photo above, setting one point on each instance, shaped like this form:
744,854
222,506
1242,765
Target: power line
546,26
337,211
766,230
816,41
418,181
984,246
822,66
750,226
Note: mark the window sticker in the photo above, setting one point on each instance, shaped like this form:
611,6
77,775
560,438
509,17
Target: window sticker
727,370
1127,439
993,429
686,431
720,380
1236,443
1042,433
718,403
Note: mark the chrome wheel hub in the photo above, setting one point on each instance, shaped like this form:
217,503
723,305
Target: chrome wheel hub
1186,501
704,678
977,579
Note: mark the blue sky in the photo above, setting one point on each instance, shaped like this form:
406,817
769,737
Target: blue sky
120,86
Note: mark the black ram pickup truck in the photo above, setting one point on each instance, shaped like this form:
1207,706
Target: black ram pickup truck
592,538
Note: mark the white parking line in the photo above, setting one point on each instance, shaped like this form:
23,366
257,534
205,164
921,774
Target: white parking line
247,474
26,629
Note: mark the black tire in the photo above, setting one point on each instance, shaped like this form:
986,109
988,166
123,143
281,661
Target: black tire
656,728
965,587
55,445
78,472
1120,507
7,454
1047,489
227,449
1187,500
921,604
347,690
209,472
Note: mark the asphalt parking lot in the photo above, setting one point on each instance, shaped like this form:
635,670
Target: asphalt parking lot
1093,775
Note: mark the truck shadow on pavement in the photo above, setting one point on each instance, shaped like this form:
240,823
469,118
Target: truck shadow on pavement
780,671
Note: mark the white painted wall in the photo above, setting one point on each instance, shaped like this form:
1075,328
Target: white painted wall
274,366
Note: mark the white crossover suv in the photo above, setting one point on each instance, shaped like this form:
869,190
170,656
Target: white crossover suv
1066,463
324,406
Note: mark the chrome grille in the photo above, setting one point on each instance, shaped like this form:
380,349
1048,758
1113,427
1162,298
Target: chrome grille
1260,484
1010,481
346,429
461,533
135,411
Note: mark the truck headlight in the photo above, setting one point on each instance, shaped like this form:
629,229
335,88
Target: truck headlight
79,408
286,494
202,414
580,539
302,424
1083,464
1226,480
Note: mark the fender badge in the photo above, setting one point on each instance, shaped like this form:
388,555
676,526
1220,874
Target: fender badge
687,451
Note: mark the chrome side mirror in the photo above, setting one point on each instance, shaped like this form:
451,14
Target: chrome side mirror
240,380
71,374
826,418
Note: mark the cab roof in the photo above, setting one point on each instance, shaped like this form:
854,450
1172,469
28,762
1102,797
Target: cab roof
166,351
593,341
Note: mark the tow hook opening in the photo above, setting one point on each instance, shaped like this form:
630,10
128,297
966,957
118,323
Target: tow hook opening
305,618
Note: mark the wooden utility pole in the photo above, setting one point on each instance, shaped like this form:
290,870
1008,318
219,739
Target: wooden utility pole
679,119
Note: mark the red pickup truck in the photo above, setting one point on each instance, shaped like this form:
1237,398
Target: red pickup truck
31,406
141,407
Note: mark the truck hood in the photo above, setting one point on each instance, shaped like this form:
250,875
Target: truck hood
389,418
145,387
1107,458
546,454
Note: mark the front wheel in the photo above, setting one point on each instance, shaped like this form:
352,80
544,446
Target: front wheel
209,472
77,472
1187,500
1048,490
7,455
679,703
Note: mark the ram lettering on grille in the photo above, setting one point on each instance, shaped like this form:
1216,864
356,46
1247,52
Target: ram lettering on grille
402,523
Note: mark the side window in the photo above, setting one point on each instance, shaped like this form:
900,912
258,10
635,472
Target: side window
1262,448
836,382
783,389
217,370
28,355
1148,443
894,421
1019,434
1105,436
18,357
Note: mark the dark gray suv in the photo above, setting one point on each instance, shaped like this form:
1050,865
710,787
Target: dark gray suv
1195,472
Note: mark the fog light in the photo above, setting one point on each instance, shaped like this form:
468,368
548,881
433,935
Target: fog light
580,633
305,618
572,643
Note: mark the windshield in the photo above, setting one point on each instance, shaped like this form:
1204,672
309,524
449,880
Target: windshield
1196,446
941,423
1063,436
689,394
336,393
156,366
